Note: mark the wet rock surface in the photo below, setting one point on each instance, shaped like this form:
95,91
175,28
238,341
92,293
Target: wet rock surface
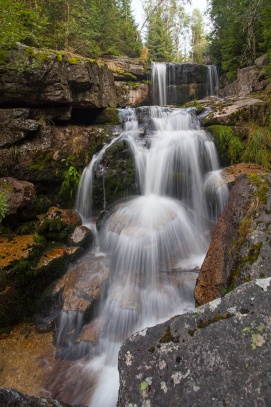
26,361
216,355
84,283
240,249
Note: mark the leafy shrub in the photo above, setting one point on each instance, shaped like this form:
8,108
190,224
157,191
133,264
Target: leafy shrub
3,205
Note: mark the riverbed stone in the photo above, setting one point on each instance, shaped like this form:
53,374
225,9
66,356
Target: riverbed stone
84,283
81,237
215,355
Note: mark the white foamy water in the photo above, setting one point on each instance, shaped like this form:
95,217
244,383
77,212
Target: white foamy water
154,242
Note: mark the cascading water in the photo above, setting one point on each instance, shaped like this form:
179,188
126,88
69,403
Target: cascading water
212,84
159,83
177,84
154,242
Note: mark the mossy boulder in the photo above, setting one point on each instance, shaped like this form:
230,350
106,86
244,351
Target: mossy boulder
58,223
115,178
21,199
108,116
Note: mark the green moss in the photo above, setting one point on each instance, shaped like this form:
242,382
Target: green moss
258,147
229,146
110,116
166,337
74,60
261,183
203,324
59,55
128,75
244,229
135,85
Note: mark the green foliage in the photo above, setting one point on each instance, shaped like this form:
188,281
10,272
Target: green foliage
70,181
258,147
167,28
88,27
229,146
3,205
241,32
19,23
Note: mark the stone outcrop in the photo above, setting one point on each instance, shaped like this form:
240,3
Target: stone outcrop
13,398
249,79
237,112
216,355
240,250
47,78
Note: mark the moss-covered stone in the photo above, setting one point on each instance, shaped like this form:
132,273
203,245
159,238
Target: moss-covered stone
229,146
110,116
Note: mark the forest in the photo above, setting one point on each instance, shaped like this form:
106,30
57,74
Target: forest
238,32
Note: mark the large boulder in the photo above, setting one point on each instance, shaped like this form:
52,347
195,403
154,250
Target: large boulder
21,198
216,355
240,249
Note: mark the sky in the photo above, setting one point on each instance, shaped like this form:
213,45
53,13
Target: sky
138,12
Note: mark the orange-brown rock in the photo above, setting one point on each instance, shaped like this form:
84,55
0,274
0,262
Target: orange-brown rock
83,284
240,248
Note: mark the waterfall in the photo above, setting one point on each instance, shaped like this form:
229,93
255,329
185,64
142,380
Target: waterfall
177,84
212,84
155,242
159,83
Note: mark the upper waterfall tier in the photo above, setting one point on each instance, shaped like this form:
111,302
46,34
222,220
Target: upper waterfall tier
176,84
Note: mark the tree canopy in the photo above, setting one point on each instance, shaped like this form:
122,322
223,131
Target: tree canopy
89,27
241,32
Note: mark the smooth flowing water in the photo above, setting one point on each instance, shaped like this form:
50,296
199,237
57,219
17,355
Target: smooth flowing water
212,85
155,242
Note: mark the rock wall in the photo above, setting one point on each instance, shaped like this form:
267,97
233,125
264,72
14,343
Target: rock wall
249,79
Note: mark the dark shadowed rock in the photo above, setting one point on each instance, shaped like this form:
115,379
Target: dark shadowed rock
240,248
13,398
15,125
217,355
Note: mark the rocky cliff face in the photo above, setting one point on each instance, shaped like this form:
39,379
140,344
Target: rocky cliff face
249,79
